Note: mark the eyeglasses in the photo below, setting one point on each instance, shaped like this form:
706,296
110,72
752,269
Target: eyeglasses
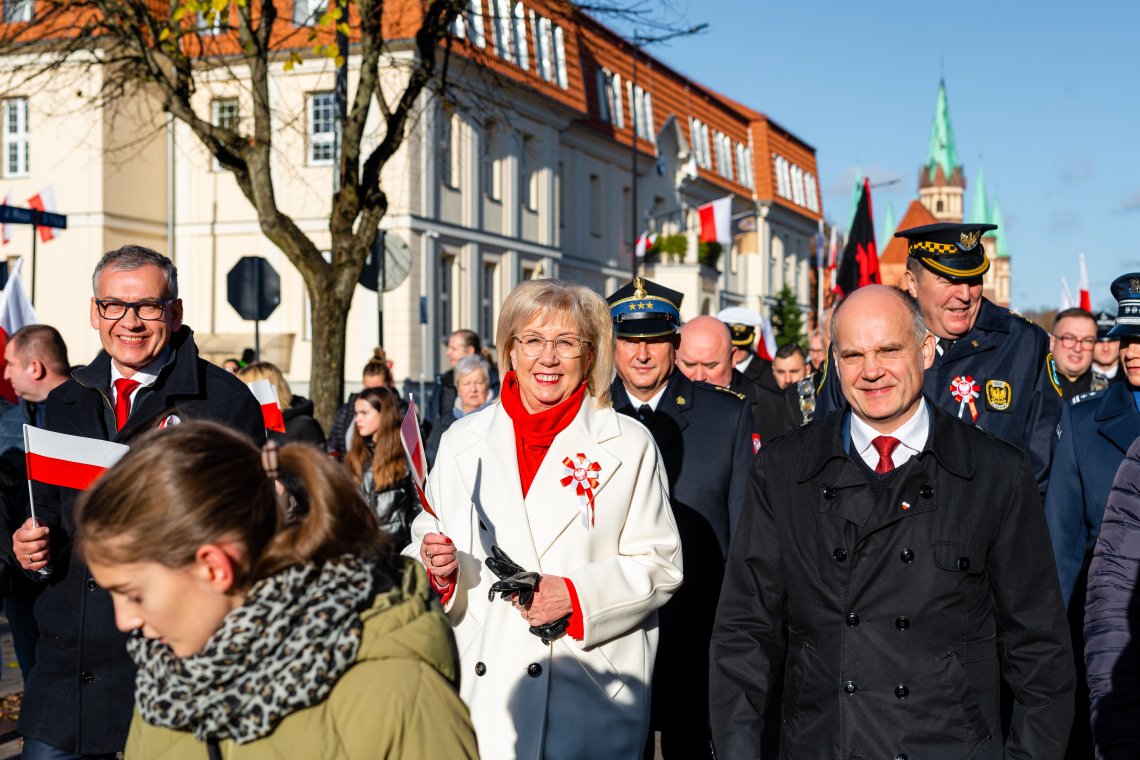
565,346
145,310
1071,341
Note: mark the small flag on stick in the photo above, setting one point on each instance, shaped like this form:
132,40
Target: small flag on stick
266,395
414,450
69,461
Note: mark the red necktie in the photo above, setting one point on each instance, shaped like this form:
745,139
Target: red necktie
124,387
886,446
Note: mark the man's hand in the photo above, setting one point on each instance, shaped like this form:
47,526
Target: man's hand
30,545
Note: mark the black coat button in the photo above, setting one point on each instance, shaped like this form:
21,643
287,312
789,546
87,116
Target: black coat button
963,564
480,668
907,556
902,623
850,687
91,584
901,756
852,619
829,493
534,670
86,677
901,691
839,554
926,492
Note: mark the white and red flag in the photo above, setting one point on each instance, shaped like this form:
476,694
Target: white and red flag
766,346
44,200
644,243
716,222
5,234
414,450
1086,299
69,461
15,312
1067,301
266,395
832,250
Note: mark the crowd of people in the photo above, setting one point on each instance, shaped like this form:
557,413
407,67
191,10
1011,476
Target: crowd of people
917,536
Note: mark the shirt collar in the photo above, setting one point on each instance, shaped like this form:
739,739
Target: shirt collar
653,402
145,376
743,364
912,436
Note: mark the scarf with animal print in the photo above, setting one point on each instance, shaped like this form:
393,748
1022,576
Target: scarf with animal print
282,650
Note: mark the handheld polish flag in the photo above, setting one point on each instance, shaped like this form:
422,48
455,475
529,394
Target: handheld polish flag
1067,301
766,346
1086,299
44,200
832,250
15,312
68,461
414,450
716,222
644,243
266,395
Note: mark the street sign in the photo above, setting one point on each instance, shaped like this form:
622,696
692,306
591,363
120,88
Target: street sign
253,288
18,215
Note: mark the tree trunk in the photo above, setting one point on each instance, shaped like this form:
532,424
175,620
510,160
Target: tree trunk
330,326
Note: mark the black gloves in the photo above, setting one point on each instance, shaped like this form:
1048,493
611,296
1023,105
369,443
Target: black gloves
514,580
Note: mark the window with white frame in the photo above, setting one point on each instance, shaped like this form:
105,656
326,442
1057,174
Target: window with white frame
488,286
797,185
744,166
543,46
17,11
811,191
528,174
209,22
224,113
522,57
699,134
723,154
16,137
609,94
560,59
492,161
783,178
595,205
475,30
306,12
501,28
446,268
641,108
448,150
322,128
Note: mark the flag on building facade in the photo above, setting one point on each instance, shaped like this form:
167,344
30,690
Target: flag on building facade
646,241
44,200
860,264
716,222
68,461
15,312
5,234
832,249
266,395
1086,297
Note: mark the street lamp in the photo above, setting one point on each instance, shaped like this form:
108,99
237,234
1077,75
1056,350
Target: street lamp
638,42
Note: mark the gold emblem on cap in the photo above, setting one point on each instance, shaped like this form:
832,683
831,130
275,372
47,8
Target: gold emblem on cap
967,240
638,288
680,401
1134,285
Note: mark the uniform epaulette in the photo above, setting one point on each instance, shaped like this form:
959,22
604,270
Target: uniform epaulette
1018,314
722,389
1085,396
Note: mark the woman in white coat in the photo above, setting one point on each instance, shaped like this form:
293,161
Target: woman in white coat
570,489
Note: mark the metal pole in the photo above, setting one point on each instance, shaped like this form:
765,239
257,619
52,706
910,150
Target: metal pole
35,234
380,296
633,164
257,303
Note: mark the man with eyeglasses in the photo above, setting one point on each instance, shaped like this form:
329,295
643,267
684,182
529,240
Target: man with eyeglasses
1072,344
1093,436
704,433
79,697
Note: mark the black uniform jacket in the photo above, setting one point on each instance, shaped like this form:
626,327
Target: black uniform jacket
80,694
896,616
759,371
705,436
1018,389
771,413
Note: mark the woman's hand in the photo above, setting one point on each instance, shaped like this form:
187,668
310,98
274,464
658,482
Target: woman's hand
551,601
438,555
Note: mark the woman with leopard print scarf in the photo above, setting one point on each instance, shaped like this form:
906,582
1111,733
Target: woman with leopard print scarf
256,635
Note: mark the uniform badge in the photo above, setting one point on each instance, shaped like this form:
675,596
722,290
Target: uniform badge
680,400
582,475
968,240
905,506
1054,378
965,390
755,443
999,395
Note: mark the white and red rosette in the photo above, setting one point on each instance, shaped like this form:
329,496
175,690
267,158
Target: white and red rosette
582,475
965,390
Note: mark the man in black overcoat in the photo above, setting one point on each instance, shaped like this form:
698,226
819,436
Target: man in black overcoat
896,562
80,694
704,433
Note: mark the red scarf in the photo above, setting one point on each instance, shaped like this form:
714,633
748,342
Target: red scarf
535,432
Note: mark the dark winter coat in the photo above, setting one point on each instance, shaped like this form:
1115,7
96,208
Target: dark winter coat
80,694
1019,394
896,616
1112,619
300,427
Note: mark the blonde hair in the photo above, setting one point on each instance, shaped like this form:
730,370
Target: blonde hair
387,457
199,482
582,307
270,372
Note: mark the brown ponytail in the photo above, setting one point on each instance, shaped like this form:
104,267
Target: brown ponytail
199,482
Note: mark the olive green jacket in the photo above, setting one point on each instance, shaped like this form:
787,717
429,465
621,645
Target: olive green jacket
398,701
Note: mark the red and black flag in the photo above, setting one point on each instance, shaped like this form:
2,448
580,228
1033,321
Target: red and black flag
860,265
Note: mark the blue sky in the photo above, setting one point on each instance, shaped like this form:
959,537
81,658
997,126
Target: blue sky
1045,95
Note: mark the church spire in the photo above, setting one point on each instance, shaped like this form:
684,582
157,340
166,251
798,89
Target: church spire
942,151
980,209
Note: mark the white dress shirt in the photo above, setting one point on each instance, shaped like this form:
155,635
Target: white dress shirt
912,438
